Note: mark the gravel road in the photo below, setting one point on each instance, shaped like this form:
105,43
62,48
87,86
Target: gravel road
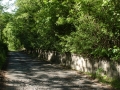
25,73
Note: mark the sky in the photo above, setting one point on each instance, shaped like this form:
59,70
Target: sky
10,4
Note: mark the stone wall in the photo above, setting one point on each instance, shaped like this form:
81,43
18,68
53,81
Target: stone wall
80,63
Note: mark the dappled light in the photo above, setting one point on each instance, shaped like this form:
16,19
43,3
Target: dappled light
83,35
36,75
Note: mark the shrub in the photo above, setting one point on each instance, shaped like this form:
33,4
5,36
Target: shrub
3,53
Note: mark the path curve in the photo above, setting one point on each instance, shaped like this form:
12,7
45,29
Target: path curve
25,73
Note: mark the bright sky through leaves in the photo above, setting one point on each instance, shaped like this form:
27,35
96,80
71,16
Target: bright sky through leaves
9,4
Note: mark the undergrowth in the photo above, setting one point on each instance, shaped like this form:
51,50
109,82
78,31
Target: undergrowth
114,82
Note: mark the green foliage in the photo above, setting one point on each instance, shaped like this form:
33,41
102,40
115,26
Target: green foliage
3,46
89,27
115,56
3,53
9,38
95,35
115,82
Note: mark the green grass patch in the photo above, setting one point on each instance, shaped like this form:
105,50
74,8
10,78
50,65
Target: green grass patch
114,82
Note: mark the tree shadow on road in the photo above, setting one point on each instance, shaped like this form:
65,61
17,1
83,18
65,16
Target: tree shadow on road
30,73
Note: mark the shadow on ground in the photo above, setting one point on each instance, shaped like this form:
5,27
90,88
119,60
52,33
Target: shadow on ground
25,73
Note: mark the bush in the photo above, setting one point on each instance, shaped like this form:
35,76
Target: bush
3,53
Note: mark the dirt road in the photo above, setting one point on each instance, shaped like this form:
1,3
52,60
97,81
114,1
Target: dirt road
25,73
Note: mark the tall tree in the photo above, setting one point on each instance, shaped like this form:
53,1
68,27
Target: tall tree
86,26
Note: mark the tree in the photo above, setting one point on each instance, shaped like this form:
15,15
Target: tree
87,26
3,46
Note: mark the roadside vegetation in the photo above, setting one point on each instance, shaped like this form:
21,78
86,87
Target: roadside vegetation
86,27
3,46
3,54
89,27
114,82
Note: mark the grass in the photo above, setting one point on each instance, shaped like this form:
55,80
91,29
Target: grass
114,82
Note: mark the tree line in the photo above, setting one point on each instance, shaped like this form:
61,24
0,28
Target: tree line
3,46
87,27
